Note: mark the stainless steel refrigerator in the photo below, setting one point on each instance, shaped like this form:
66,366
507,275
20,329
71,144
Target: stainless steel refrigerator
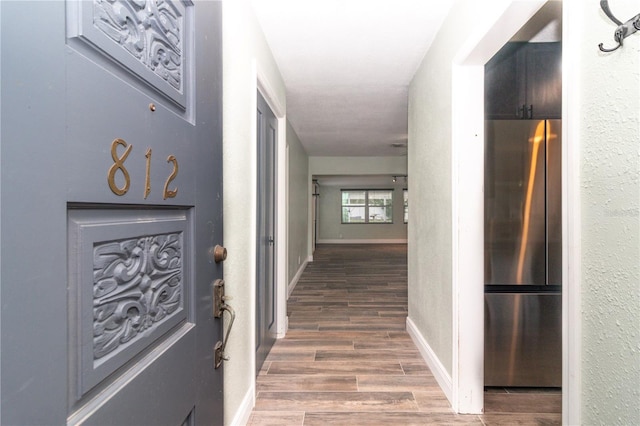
523,253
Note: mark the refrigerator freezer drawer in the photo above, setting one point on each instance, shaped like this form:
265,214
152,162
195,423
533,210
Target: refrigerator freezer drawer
523,339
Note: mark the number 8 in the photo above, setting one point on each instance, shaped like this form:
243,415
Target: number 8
118,164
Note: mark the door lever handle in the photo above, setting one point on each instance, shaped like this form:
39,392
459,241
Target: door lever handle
219,308
219,349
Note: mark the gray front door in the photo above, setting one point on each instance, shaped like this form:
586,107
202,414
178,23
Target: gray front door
111,206
267,128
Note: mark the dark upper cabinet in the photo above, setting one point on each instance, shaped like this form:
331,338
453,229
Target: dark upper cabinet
503,92
524,81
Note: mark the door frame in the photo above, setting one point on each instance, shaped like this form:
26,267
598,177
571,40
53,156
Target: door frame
269,94
467,168
467,394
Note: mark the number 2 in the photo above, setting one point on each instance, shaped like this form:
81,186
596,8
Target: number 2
168,193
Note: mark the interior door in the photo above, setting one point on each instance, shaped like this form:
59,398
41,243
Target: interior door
111,188
314,214
267,128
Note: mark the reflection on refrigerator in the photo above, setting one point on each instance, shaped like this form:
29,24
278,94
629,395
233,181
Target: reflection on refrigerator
523,249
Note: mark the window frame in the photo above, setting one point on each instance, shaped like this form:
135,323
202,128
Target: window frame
405,205
366,205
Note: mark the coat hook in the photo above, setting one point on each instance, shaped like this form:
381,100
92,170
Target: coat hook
604,4
618,37
623,31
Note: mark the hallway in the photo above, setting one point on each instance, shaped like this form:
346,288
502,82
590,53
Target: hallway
347,358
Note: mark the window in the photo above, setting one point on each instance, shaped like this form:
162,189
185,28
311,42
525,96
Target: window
367,206
405,194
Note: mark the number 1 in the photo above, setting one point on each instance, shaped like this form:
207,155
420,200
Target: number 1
147,182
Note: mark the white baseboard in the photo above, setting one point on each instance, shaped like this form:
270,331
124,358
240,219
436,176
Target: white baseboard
310,258
296,278
439,371
364,241
283,333
246,407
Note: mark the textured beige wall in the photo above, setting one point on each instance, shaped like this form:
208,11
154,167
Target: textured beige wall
609,135
298,203
430,226
244,51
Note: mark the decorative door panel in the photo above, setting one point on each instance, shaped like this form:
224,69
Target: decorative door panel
129,288
150,39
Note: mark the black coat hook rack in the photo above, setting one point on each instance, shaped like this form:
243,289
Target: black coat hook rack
623,31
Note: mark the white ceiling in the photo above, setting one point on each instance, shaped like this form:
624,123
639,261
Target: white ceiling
347,65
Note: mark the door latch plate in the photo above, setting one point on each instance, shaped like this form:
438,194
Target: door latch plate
218,298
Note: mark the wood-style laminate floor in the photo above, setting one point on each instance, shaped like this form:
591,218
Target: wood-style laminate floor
347,359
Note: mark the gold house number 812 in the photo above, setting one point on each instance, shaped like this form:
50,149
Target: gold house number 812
118,166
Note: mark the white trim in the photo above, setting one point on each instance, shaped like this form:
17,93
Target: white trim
437,369
266,89
467,170
364,241
253,205
282,331
243,414
282,221
310,258
286,328
296,278
571,216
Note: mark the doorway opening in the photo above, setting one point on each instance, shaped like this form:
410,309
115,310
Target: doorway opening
521,19
523,218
